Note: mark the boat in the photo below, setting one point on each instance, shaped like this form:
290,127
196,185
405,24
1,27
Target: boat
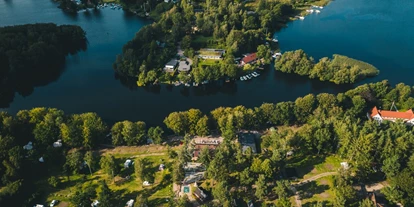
310,10
244,77
241,78
275,40
204,82
257,74
249,76
317,11
301,18
187,85
195,84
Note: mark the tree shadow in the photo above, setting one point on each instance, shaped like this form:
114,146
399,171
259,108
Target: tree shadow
311,188
304,164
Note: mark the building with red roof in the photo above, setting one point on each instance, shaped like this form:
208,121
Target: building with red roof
250,58
380,115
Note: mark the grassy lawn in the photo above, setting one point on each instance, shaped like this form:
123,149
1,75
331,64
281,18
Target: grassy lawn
317,191
309,166
158,193
208,62
203,41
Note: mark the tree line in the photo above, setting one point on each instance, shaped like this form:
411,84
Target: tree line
327,124
33,55
340,70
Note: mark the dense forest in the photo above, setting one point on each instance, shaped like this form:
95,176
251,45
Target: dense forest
236,27
313,125
32,55
340,69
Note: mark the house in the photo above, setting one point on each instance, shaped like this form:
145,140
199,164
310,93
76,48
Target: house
249,59
247,140
170,66
207,53
380,115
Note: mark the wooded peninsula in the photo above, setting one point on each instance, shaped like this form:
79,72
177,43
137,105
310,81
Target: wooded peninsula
255,155
33,55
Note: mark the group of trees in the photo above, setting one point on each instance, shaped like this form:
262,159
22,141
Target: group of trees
33,55
327,124
231,25
340,69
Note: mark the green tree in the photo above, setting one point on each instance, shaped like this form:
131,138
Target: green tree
92,159
204,156
366,203
177,121
261,187
53,181
74,161
221,192
105,195
140,201
202,126
108,165
156,134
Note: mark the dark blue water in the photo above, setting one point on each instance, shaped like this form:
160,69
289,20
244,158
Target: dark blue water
375,31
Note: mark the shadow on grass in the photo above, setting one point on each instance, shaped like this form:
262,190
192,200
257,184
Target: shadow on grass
309,189
305,164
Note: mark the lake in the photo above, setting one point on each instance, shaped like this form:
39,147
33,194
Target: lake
372,31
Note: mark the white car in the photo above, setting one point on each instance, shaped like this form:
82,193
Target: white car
53,203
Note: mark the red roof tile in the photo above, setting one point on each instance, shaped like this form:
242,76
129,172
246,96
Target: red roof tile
408,115
249,58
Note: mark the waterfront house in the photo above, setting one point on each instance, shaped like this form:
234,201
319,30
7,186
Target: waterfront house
380,115
171,65
207,53
249,59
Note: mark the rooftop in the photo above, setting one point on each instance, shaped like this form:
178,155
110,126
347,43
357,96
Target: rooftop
209,51
407,115
249,58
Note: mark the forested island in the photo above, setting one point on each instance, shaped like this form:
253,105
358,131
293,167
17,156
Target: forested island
216,40
77,159
340,69
33,55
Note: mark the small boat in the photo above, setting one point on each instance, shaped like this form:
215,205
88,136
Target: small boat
257,74
195,84
301,18
317,11
187,85
249,76
310,10
204,82
241,78
275,40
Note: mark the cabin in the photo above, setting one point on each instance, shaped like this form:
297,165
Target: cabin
208,53
171,65
381,115
249,59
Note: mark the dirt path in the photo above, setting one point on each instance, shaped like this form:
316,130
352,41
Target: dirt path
316,177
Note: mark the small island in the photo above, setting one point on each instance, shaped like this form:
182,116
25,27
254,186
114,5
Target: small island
33,55
199,42
340,69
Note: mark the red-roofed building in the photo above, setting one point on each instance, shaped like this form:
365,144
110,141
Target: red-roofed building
380,115
250,58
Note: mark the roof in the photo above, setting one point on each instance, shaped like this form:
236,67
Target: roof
172,62
407,115
211,52
249,58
